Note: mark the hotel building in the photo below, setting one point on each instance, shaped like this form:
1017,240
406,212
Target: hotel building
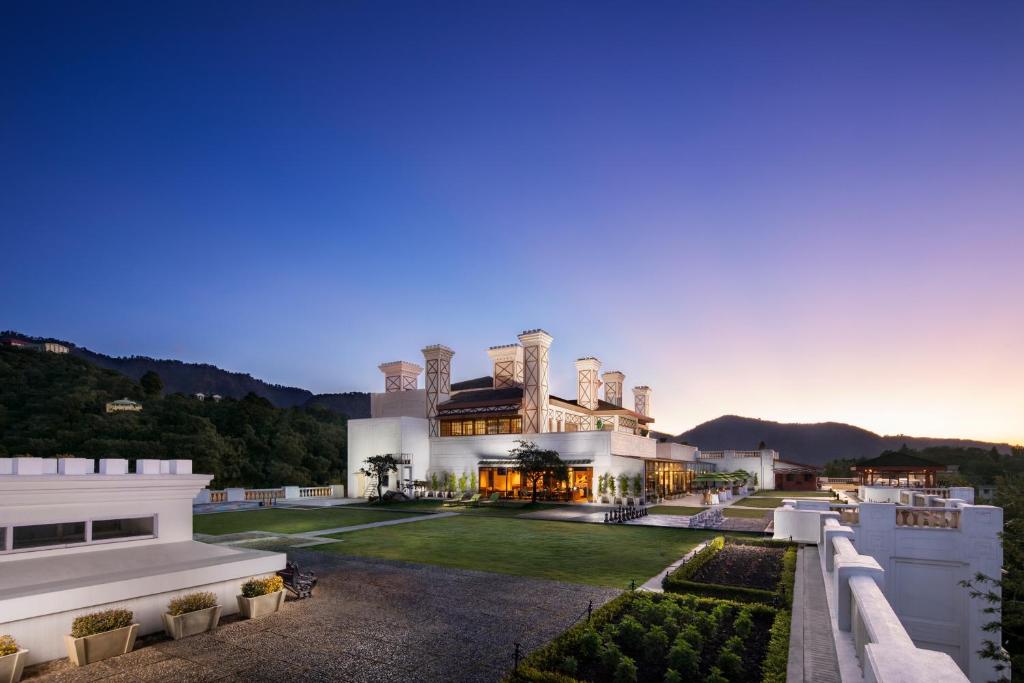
470,426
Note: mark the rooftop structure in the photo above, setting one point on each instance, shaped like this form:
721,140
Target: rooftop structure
124,405
74,539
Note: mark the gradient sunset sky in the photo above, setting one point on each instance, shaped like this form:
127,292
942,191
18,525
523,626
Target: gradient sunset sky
793,211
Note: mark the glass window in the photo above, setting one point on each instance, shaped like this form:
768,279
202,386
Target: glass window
503,425
492,426
3,538
516,425
446,428
481,427
105,529
455,429
41,535
467,428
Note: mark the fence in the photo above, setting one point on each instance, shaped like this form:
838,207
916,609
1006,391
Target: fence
269,496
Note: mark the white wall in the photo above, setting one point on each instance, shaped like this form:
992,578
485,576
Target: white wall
379,435
667,450
399,404
763,466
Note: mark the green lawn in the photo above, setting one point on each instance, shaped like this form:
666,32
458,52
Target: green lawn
727,511
759,502
794,494
564,551
285,521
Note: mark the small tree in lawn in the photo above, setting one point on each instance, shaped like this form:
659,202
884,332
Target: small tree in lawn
533,463
378,467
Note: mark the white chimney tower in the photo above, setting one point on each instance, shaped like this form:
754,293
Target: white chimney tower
642,400
439,381
536,346
400,375
587,382
508,365
613,384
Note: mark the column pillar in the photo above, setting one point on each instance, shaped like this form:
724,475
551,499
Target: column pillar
438,361
536,346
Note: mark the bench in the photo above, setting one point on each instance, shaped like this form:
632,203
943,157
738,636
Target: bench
297,581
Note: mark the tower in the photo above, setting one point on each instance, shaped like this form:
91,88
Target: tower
587,382
613,382
536,345
438,361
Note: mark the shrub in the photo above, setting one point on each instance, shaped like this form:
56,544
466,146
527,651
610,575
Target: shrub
730,659
773,669
655,646
744,623
253,588
625,672
569,665
715,676
529,674
8,646
631,634
788,577
101,622
589,645
672,676
623,485
610,656
684,659
192,602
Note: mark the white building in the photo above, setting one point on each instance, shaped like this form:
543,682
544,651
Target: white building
74,540
469,427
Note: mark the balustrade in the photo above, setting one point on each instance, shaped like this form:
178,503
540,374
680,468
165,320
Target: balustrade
315,492
218,496
263,495
925,517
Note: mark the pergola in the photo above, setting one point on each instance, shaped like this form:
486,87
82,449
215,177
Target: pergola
896,465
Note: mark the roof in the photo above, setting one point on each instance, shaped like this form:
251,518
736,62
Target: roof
603,406
789,466
485,382
898,459
124,402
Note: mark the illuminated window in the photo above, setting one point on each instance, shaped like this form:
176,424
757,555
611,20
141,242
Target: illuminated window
480,427
492,426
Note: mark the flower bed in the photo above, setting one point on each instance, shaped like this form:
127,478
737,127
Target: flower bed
745,570
665,637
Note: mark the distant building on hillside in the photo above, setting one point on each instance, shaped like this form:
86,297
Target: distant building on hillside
54,347
16,343
124,405
216,398
199,395
48,346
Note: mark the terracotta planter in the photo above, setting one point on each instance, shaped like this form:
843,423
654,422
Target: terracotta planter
180,626
252,608
11,666
101,646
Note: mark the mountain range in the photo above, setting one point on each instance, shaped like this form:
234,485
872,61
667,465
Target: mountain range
810,443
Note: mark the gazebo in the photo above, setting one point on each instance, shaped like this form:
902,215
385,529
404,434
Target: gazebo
893,466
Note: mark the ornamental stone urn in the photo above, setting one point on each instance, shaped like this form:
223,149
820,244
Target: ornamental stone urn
12,665
101,645
252,608
180,626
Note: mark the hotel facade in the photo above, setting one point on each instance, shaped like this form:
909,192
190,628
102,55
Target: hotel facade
468,427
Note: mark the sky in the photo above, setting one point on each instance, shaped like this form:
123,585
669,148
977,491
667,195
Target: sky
793,211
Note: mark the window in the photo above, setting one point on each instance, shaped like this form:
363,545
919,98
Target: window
107,529
491,425
42,535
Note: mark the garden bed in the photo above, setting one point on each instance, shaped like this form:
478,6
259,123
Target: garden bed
665,637
742,569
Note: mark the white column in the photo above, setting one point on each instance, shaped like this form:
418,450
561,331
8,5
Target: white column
587,382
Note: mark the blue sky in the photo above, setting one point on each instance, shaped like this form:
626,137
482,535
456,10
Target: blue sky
796,211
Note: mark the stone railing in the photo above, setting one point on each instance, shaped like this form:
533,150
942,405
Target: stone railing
928,517
315,492
218,496
884,649
264,495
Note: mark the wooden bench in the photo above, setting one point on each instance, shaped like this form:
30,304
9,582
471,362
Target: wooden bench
297,581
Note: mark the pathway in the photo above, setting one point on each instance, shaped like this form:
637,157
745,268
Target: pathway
812,651
654,583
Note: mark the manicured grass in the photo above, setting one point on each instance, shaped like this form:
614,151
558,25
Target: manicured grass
285,521
749,514
793,494
500,509
564,551
759,502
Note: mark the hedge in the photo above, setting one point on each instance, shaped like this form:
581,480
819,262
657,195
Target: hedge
777,657
680,580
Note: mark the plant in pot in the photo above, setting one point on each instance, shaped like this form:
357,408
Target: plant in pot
611,490
101,635
261,596
602,487
434,486
624,485
12,660
191,614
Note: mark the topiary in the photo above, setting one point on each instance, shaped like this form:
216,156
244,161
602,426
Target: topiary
192,602
730,663
101,622
691,635
743,624
625,672
8,646
253,588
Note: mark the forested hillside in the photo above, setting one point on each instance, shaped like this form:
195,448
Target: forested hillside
53,404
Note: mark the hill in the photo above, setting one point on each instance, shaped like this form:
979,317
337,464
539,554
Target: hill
192,378
53,404
811,443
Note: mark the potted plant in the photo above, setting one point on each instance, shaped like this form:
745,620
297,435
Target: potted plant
624,485
191,614
602,487
261,596
12,660
638,488
101,635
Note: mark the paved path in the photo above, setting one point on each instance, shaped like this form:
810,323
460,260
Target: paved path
812,652
653,584
369,621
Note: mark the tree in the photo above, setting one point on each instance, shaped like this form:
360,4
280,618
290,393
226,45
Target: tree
378,467
533,463
151,383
